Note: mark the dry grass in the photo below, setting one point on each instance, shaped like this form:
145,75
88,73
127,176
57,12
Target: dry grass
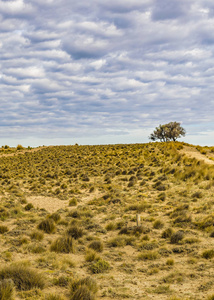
71,211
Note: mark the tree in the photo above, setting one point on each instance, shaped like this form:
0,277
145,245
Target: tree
168,132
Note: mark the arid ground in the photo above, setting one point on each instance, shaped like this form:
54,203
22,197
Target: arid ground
68,222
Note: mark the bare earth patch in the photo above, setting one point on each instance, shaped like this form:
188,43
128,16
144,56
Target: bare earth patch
51,204
194,153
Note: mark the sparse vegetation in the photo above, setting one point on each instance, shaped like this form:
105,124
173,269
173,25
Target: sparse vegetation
125,214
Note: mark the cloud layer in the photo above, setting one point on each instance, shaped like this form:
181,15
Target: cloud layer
105,71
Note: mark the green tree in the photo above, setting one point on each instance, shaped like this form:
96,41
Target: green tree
168,132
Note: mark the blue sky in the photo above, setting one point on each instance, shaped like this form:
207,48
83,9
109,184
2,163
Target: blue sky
104,72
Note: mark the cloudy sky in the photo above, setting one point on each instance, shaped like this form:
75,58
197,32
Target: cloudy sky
105,71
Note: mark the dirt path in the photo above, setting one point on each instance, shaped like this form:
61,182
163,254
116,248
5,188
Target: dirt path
193,152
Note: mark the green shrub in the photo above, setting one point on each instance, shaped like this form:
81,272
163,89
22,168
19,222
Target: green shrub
99,266
47,226
23,277
63,244
6,289
96,245
3,229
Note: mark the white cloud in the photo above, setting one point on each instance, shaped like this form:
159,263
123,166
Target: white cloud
104,69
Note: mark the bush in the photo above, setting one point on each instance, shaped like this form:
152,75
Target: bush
83,293
110,226
53,297
87,281
177,237
47,226
37,235
19,147
56,217
29,206
96,245
91,255
3,229
23,277
148,255
167,233
75,232
158,224
100,266
208,254
63,244
6,289
73,202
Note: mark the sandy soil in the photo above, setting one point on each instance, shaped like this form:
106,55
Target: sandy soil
192,152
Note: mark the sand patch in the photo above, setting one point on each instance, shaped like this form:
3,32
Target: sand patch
194,153
51,204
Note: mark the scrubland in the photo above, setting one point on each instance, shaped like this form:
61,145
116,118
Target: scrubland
68,222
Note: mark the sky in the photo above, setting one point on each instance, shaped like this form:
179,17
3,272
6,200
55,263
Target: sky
105,71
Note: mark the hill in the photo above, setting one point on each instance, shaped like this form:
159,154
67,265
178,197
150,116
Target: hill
69,225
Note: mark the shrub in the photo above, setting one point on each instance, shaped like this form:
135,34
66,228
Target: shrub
162,196
29,206
117,242
177,237
110,226
167,233
91,255
47,226
100,266
73,202
3,229
83,293
56,217
148,255
158,224
23,277
208,254
96,245
53,297
75,232
170,262
37,235
19,147
87,281
6,289
63,244
212,234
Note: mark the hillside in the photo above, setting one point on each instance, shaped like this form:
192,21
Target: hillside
69,212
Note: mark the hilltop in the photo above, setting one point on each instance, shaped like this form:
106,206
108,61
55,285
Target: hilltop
69,212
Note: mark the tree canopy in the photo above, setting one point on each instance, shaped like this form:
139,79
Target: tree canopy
168,132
